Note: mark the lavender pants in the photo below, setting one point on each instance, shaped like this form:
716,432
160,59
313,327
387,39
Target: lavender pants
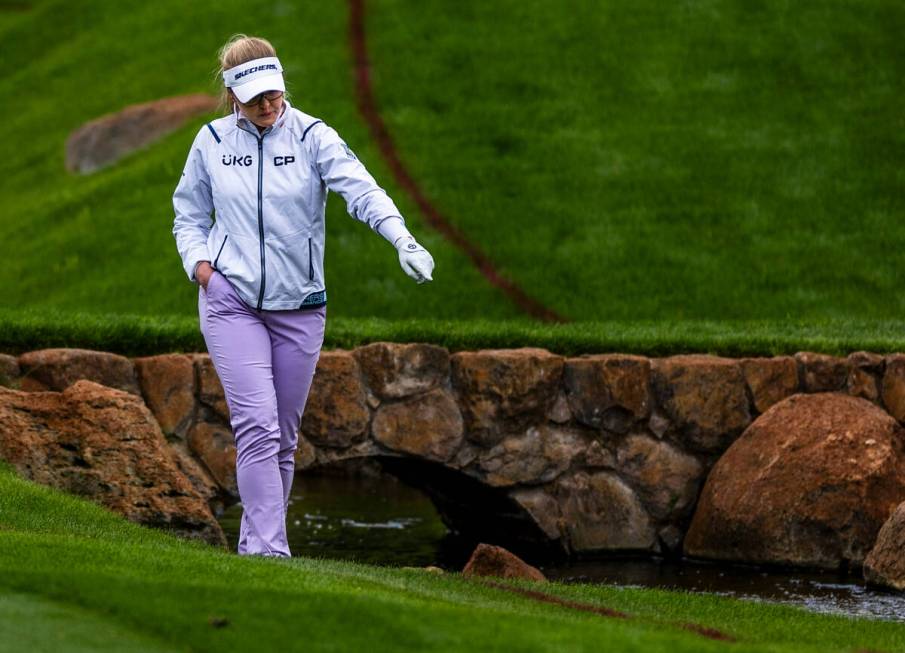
265,361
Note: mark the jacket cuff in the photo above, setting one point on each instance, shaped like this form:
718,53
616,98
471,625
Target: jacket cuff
392,228
192,261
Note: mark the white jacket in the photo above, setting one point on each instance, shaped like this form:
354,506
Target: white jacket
268,192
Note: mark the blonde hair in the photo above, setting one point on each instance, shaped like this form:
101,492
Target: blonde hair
238,50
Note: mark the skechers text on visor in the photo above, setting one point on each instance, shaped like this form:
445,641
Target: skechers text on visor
254,77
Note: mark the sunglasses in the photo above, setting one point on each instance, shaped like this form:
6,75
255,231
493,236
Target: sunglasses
258,100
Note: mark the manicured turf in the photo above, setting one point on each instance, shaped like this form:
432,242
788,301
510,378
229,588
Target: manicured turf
137,335
62,557
712,159
36,624
103,243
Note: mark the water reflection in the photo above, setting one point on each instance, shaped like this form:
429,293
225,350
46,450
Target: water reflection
364,515
831,593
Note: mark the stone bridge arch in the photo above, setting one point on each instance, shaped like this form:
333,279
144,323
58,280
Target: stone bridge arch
468,507
593,453
524,447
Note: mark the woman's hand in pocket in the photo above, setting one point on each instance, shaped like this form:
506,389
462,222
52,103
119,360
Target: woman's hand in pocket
203,273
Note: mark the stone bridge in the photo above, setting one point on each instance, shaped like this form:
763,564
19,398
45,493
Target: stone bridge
522,447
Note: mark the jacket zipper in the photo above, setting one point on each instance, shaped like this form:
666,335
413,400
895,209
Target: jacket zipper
220,250
310,261
261,215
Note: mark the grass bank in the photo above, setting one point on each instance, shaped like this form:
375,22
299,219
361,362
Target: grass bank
140,335
707,160
704,161
103,243
66,563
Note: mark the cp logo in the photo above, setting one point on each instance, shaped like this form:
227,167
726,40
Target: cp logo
283,160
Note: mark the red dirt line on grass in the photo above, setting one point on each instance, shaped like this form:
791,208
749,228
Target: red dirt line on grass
367,106
711,633
549,598
703,631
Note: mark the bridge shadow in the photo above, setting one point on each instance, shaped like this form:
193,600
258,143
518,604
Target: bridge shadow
474,511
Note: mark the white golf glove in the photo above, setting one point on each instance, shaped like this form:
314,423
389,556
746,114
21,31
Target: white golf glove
414,259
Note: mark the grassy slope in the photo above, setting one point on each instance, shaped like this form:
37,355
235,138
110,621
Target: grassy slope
103,243
61,556
714,159
663,166
38,625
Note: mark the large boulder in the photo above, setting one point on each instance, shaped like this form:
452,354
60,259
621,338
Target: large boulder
58,368
885,564
105,445
809,483
109,138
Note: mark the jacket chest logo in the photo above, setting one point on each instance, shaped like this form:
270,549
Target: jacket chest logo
233,160
283,160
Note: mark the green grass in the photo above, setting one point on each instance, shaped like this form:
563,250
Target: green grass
699,160
104,243
715,160
66,563
141,335
36,624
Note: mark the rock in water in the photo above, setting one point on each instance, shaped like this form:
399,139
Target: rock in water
490,560
809,483
885,564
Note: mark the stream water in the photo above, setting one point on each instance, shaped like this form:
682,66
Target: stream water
376,519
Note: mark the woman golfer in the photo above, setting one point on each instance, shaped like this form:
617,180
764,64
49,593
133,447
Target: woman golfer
264,172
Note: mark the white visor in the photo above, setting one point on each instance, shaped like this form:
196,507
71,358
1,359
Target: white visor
253,77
